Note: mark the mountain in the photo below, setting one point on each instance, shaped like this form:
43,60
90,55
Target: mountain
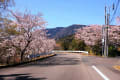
60,32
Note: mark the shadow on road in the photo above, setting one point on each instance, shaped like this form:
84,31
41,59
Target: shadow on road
20,77
52,61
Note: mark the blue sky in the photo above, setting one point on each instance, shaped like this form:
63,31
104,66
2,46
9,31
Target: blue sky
62,13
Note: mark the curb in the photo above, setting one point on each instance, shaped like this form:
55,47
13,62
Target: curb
36,59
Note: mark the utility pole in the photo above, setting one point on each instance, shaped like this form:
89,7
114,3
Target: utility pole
105,34
108,15
105,28
105,40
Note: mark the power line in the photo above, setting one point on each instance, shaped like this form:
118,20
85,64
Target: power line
107,23
115,10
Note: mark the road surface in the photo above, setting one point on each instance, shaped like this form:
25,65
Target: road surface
64,67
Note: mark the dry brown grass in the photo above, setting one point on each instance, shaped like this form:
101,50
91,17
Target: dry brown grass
117,67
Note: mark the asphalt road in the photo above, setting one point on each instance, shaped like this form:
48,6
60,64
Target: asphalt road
65,67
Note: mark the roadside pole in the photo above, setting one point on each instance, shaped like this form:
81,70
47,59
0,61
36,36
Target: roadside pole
105,34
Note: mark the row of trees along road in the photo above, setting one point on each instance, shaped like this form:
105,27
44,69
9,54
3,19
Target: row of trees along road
92,36
23,34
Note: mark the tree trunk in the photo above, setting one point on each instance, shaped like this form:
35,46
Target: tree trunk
23,51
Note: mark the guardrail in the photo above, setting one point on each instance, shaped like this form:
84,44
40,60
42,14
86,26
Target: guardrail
28,61
71,51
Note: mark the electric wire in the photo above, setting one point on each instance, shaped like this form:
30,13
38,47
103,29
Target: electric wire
113,16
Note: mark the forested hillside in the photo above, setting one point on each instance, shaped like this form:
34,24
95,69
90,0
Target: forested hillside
61,32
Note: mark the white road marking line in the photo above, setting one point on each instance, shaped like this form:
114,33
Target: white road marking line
100,73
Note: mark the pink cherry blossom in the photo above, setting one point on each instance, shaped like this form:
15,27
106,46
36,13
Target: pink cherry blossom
32,38
92,33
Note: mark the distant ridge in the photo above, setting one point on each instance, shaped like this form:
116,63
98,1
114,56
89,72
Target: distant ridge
60,32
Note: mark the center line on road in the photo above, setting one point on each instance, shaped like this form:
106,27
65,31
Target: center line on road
100,73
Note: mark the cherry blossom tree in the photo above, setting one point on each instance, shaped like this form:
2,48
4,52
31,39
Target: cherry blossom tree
32,37
49,45
6,3
93,33
41,44
114,35
89,34
27,25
